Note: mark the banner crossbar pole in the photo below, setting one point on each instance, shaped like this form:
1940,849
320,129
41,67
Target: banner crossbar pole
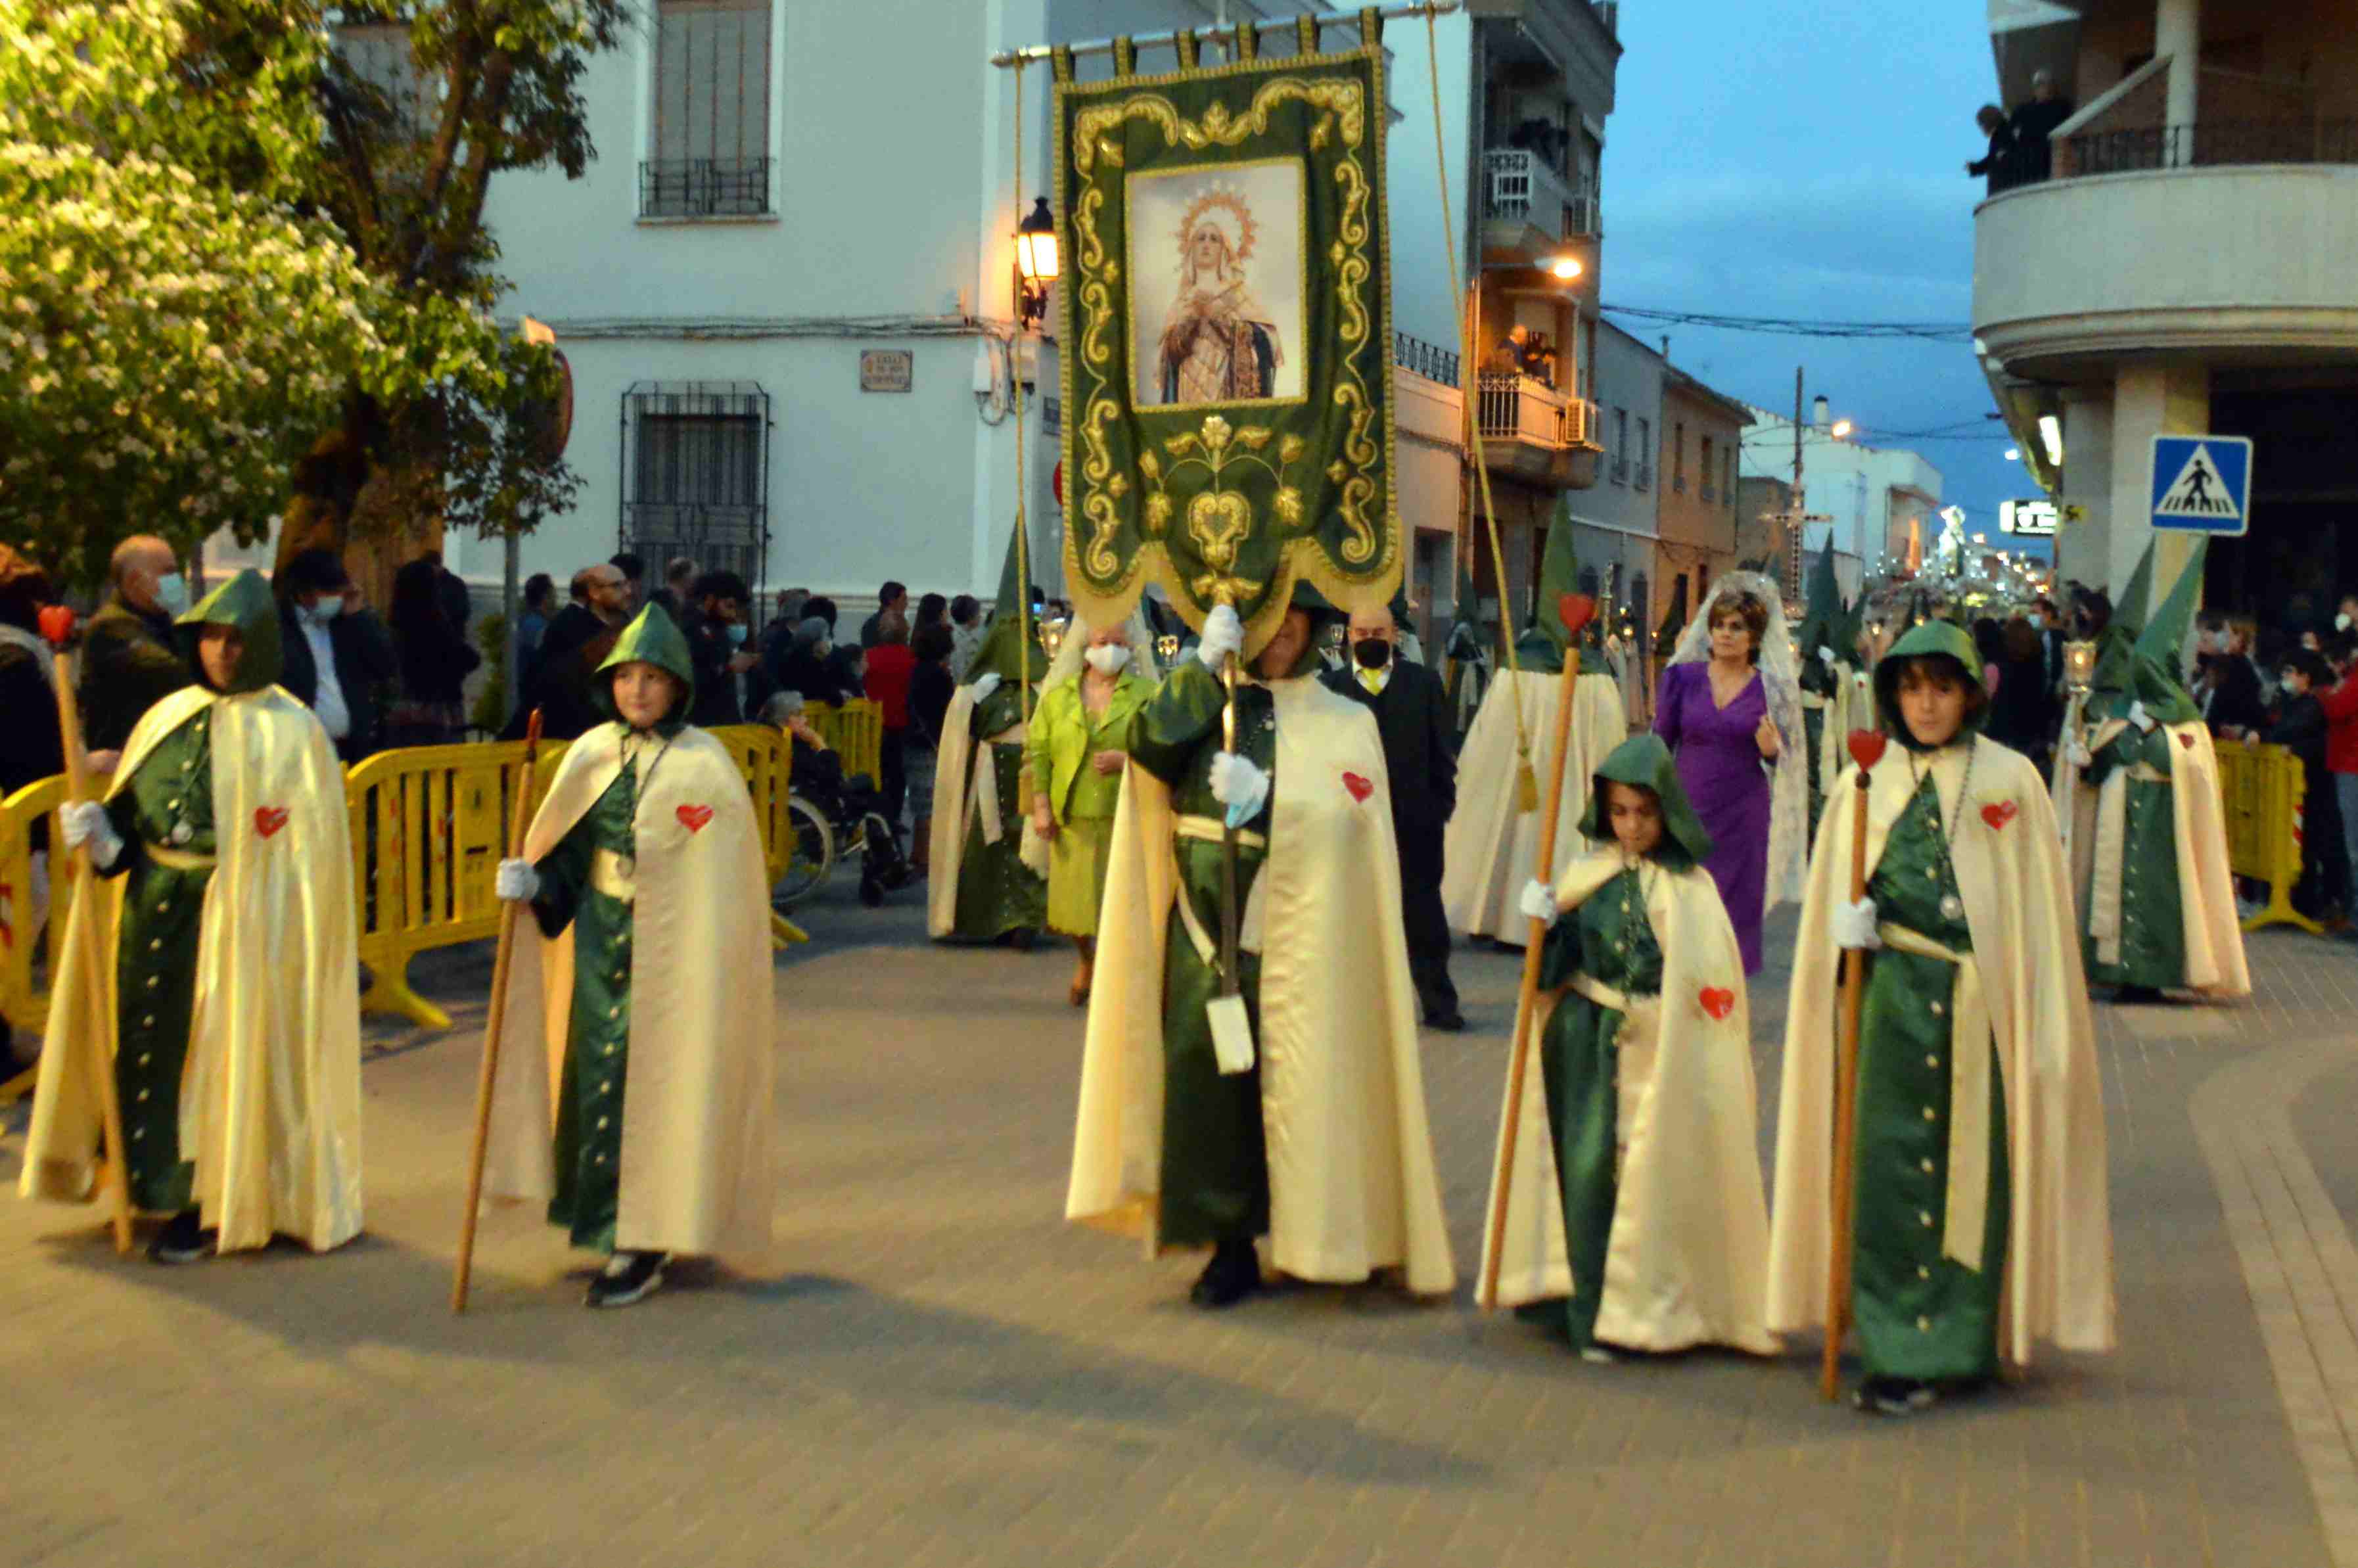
1151,41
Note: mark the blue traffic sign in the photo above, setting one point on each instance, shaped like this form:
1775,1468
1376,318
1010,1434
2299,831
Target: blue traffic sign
2202,484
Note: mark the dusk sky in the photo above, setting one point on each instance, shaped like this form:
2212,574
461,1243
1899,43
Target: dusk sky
1771,160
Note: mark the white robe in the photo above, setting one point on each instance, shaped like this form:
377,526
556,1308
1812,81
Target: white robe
1491,846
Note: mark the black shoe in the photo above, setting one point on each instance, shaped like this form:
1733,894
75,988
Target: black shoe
183,1239
1233,1274
629,1277
1447,1019
1895,1396
1022,940
2135,996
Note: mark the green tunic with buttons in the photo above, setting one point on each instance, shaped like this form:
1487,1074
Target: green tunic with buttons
2153,921
597,1051
997,892
1920,1314
1611,939
1215,1173
167,804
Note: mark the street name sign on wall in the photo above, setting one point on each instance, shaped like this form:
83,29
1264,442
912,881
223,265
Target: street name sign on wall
2202,484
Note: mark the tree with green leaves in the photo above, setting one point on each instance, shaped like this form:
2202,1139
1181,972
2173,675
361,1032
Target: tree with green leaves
244,274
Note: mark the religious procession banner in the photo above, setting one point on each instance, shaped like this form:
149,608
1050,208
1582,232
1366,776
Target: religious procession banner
1225,332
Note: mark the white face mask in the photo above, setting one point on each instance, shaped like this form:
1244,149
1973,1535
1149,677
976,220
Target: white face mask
1107,657
2342,622
172,593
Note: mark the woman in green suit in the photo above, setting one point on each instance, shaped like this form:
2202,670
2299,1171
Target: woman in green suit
1099,679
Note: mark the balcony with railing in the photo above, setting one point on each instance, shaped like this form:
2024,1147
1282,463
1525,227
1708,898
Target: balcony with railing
1430,361
2226,234
1533,431
1523,191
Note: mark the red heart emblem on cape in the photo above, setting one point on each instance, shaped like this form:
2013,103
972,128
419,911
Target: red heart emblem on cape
1999,813
1716,1001
269,819
694,818
1360,788
2186,740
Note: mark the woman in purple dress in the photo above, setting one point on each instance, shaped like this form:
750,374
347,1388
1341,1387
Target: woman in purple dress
1723,717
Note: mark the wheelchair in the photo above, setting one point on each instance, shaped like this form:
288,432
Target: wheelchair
835,819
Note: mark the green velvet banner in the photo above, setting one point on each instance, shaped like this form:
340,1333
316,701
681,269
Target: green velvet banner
1225,324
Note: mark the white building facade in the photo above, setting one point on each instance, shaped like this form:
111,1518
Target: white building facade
1883,502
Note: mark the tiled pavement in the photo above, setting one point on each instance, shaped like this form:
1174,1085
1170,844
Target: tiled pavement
938,1373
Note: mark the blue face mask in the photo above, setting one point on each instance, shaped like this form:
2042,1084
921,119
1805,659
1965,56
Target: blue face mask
737,636
324,612
172,593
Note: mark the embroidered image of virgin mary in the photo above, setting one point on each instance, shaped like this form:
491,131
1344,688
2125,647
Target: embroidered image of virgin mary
1219,344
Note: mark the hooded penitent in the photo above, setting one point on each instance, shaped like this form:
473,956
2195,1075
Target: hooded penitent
229,995
979,887
1636,1195
1828,710
1492,844
1323,1143
2149,836
1981,1223
635,1088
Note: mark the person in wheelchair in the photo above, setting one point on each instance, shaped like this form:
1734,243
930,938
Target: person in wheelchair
851,803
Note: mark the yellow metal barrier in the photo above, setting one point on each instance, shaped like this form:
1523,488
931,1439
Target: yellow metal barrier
2263,791
854,732
428,826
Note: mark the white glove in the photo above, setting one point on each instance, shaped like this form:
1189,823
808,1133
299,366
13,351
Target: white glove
86,822
2080,756
2140,716
1239,785
1223,633
1538,901
1854,927
1825,653
516,882
984,684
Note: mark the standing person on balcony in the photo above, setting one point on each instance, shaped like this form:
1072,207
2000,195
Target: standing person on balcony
1998,166
2032,124
128,663
230,1015
644,875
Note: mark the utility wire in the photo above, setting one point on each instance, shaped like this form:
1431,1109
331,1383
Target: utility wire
1802,326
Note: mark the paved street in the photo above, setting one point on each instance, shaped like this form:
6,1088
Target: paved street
936,1371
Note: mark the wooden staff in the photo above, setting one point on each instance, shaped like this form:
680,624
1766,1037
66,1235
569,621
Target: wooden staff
521,818
1866,750
1231,981
82,876
1577,609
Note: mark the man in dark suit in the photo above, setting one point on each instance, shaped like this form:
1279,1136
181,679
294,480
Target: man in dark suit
336,652
562,681
1412,714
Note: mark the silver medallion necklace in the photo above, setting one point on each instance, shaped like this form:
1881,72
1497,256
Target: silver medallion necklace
1953,907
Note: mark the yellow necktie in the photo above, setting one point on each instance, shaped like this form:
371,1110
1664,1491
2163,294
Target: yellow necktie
1374,680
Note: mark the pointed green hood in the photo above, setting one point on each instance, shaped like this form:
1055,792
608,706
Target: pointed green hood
1674,621
244,602
2129,609
2154,660
654,638
1010,648
1540,648
1822,625
1934,639
1645,761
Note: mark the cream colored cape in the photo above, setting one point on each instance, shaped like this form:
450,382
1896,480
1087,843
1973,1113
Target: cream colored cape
1844,712
1491,847
697,1092
1688,1261
2009,866
270,1098
1351,1177
955,800
2216,962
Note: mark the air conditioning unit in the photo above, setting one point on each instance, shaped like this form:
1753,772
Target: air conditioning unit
1580,218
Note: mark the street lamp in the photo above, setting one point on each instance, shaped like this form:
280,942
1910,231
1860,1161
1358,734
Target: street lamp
1841,429
1566,268
1037,262
2014,454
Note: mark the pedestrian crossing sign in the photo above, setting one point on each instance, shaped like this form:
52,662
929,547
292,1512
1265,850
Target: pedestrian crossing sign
2202,484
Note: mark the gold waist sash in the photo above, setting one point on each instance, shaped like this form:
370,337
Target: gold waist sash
173,859
616,876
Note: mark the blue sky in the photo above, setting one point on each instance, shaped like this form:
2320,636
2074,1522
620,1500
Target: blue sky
1779,160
